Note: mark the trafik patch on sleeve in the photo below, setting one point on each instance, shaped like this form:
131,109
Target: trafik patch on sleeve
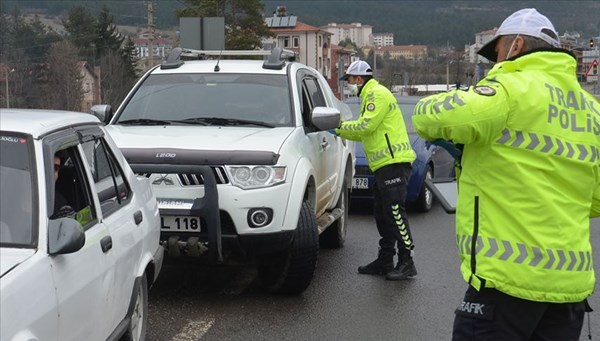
484,90
371,106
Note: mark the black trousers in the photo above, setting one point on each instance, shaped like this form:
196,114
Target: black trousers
489,314
389,194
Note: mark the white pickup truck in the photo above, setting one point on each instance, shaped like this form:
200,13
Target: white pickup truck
240,160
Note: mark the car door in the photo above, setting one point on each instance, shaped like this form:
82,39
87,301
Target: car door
81,279
322,153
121,220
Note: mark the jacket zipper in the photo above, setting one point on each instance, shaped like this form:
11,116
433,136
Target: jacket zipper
387,140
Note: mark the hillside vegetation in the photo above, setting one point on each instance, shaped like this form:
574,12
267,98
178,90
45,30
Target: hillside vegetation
412,22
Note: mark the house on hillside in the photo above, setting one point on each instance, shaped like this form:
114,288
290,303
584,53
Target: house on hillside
311,44
90,85
408,52
160,46
358,33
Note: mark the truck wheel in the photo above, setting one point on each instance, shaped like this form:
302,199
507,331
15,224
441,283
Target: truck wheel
136,330
425,199
335,235
291,271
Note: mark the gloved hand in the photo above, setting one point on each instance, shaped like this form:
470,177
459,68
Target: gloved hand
332,131
450,147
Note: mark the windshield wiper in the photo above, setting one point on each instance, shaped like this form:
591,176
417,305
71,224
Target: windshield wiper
234,121
145,121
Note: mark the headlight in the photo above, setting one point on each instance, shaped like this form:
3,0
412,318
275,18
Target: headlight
248,177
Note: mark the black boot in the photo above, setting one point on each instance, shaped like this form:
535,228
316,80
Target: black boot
380,266
403,270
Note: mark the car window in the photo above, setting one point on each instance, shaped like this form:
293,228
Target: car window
72,190
314,92
263,98
17,196
111,187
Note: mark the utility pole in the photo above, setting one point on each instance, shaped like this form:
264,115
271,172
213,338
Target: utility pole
150,34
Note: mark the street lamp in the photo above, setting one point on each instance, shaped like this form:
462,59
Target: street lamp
7,71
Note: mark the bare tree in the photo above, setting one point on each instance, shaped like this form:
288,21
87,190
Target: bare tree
63,88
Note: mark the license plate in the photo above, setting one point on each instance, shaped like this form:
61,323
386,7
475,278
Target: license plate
361,183
180,223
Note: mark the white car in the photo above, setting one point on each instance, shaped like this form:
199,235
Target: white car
241,161
81,269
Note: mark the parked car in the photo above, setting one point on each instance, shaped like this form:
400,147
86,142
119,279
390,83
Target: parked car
241,161
78,271
431,162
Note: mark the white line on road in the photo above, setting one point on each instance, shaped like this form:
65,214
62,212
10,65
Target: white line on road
193,331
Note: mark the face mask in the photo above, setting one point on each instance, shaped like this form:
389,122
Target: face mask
353,89
511,47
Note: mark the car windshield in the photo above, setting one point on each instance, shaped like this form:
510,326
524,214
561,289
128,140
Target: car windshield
406,108
210,99
16,192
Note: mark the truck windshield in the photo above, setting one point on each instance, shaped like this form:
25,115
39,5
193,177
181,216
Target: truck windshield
16,192
185,98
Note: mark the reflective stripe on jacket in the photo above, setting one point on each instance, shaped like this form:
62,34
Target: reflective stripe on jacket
530,167
380,128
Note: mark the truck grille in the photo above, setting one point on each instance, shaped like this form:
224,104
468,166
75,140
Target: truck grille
192,179
198,180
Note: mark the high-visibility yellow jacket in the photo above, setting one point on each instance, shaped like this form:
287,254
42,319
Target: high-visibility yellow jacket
380,127
530,167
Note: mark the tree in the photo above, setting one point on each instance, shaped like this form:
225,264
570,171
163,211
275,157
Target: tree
129,55
107,35
81,26
63,88
244,24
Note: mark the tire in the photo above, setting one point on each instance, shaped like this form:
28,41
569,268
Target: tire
335,235
291,271
136,331
425,199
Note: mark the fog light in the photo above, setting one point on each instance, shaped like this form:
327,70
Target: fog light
259,217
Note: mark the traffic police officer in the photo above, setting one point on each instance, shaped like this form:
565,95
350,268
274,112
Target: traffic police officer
382,131
529,182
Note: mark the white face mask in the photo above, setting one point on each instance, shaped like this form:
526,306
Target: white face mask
511,47
353,89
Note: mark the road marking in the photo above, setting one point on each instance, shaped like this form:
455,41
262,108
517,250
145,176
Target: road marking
193,331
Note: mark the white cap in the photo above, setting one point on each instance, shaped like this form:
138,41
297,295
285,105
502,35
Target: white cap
358,68
527,21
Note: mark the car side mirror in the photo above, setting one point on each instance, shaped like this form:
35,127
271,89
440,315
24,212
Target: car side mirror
65,235
103,112
325,118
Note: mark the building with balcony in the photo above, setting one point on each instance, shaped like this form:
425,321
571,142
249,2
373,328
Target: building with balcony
358,33
382,39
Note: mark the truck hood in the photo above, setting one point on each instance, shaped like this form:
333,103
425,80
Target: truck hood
201,138
10,258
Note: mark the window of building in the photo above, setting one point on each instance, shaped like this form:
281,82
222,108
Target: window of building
295,41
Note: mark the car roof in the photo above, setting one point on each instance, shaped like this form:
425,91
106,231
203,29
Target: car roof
38,122
225,66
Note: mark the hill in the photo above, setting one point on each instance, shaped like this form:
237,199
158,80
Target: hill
426,22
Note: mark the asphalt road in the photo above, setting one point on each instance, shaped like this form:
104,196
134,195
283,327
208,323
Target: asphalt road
198,303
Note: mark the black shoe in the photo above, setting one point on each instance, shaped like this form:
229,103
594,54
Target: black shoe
403,270
379,266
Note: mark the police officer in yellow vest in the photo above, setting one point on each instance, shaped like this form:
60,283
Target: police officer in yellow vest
531,138
382,132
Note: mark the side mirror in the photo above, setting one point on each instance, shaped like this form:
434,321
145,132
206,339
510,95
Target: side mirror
65,235
103,112
325,118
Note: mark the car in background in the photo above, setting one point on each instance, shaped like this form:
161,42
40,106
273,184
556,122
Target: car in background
79,270
432,162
